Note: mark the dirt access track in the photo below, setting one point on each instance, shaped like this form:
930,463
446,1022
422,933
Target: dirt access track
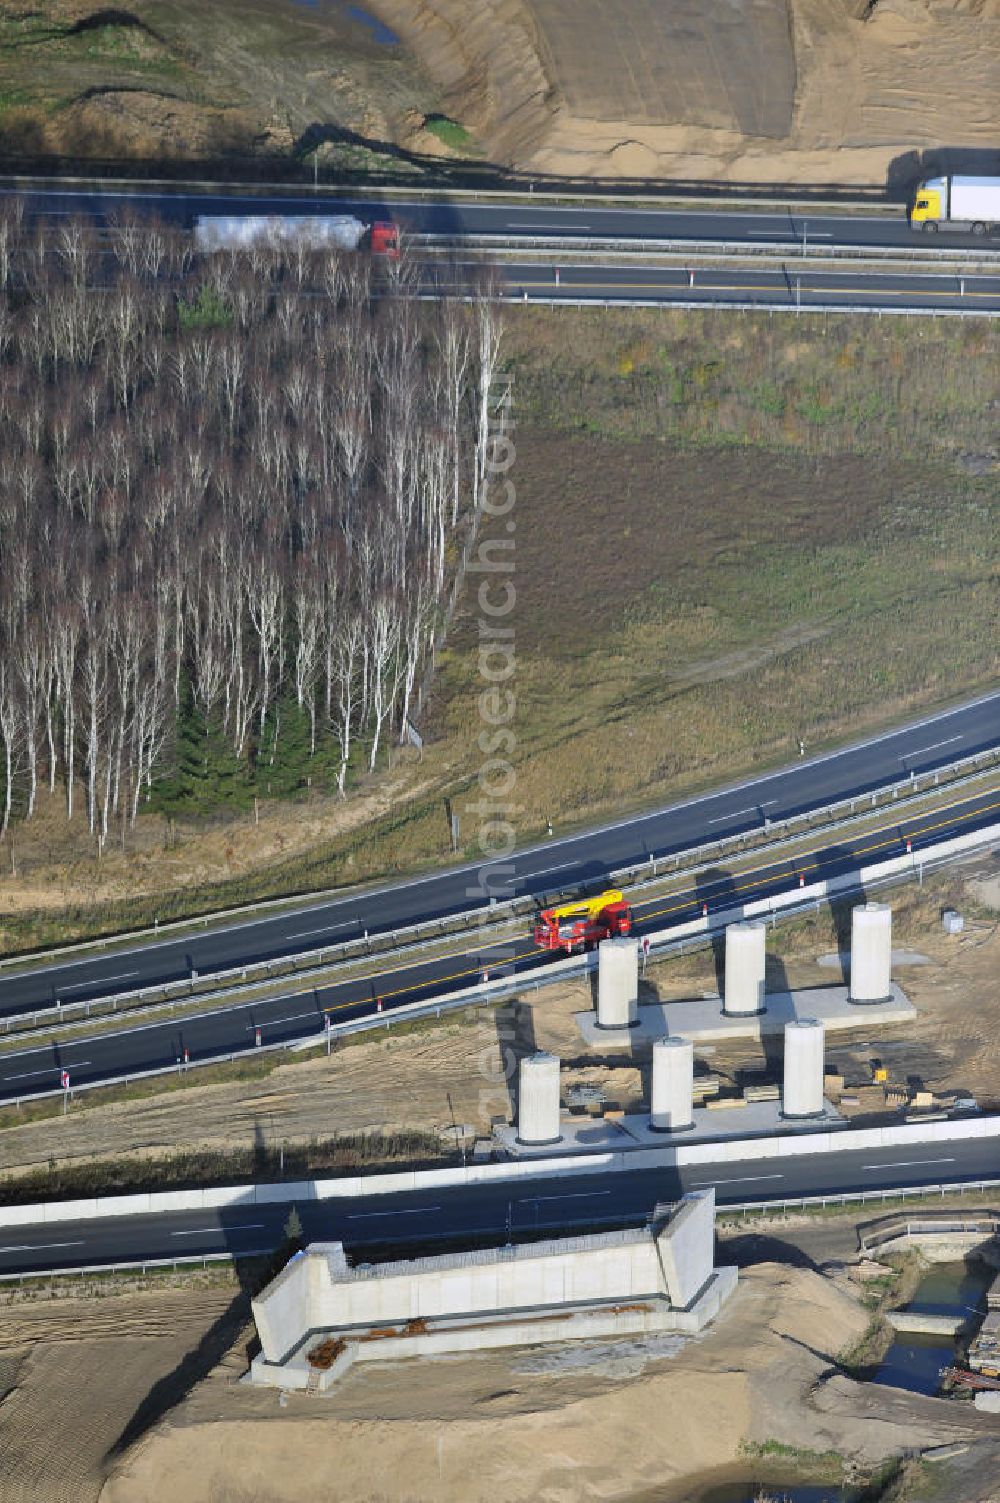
765,91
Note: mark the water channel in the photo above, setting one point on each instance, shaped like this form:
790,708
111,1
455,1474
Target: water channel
914,1362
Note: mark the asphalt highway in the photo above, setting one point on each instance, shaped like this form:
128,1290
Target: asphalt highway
415,1222
572,864
195,1039
463,217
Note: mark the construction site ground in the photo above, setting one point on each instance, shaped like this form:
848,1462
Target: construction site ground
125,1361
144,1376
768,91
436,1075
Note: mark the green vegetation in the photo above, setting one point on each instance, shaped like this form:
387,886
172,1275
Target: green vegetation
451,134
822,1463
207,311
768,513
895,1289
824,385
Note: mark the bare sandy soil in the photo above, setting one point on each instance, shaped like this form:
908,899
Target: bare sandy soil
759,91
601,1423
950,1048
386,1084
769,91
75,1373
614,1422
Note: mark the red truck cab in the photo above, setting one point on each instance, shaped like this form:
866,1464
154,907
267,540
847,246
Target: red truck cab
385,239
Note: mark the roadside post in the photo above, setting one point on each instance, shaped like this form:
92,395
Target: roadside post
64,1082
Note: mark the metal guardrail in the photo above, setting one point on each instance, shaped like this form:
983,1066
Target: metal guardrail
906,1226
890,310
859,1197
145,1265
519,190
802,250
916,784
765,1207
953,264
495,991
242,996
915,787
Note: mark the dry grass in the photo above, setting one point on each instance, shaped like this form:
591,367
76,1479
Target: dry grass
732,530
175,79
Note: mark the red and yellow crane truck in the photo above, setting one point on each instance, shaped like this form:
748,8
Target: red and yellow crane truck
578,925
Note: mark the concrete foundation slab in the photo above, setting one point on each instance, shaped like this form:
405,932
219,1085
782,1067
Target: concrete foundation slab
758,1119
322,1313
509,1328
840,961
702,1019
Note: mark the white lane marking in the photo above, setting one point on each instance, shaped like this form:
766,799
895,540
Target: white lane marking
778,775
906,1163
747,1179
924,749
738,812
361,894
326,929
75,1064
563,226
367,1215
534,1200
211,1231
100,980
274,1022
792,237
38,1246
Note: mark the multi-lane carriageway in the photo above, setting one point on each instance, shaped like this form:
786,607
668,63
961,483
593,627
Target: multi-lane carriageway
523,236
298,1013
411,1222
562,864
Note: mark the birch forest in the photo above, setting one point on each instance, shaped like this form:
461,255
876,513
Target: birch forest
233,492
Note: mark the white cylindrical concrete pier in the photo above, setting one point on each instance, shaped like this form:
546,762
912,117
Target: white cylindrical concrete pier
871,953
745,960
618,983
538,1099
671,1095
803,1090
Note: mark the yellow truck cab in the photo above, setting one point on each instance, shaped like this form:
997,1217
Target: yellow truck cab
970,205
928,206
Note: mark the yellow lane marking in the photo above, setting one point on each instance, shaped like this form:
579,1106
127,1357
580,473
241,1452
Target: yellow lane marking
475,970
751,872
806,866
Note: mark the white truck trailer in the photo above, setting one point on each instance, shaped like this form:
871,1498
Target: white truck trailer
957,203
217,232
